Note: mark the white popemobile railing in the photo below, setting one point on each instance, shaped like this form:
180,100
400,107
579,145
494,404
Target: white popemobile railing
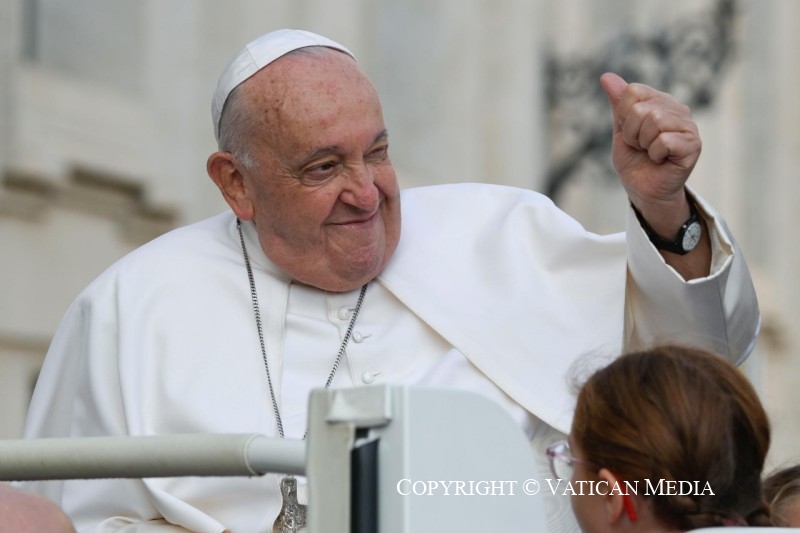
151,456
375,459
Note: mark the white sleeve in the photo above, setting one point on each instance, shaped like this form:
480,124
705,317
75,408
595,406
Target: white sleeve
718,312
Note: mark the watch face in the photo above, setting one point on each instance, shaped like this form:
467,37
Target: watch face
692,236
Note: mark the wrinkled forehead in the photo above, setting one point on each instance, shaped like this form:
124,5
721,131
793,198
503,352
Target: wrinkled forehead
311,72
258,54
309,97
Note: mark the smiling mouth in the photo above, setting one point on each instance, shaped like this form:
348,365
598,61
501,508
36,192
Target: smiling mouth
358,222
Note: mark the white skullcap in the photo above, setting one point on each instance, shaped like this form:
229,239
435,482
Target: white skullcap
257,55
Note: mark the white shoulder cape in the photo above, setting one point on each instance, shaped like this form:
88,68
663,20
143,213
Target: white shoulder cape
162,342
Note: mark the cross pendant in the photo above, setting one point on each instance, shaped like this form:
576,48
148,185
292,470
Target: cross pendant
292,518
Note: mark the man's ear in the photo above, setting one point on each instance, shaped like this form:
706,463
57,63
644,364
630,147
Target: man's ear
222,169
613,499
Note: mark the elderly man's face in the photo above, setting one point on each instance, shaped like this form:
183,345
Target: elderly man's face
323,193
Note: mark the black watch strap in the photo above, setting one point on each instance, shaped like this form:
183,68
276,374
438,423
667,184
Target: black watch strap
688,236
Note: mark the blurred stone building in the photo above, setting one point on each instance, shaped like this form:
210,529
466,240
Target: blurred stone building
105,129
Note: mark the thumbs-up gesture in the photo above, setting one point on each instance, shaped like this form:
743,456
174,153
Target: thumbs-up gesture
655,146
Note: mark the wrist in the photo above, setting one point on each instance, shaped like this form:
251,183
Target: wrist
681,241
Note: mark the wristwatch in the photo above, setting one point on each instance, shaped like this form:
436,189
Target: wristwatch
688,236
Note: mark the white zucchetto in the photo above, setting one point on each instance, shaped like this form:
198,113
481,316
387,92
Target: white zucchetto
258,54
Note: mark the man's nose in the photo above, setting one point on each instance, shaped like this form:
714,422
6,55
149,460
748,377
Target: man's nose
360,190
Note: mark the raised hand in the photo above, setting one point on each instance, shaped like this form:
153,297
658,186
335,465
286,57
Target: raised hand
655,147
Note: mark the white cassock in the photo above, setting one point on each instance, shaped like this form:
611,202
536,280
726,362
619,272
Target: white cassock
491,289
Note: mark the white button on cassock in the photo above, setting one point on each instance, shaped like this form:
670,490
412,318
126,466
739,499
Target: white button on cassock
360,337
344,313
368,377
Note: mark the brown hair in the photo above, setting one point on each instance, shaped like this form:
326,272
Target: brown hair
679,414
780,487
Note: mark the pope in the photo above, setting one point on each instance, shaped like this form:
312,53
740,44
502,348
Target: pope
324,273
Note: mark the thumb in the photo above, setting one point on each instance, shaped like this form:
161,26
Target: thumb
613,86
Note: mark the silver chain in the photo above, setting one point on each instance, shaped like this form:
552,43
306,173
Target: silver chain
257,313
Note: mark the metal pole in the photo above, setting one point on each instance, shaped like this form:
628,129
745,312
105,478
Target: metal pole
150,456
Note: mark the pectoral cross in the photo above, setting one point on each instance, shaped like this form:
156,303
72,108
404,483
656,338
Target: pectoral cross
292,518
